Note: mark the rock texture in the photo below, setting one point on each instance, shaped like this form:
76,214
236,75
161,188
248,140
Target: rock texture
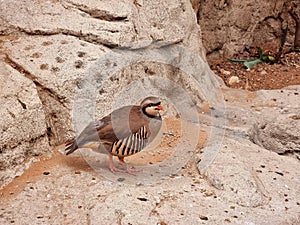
23,123
51,50
279,131
225,33
52,45
246,184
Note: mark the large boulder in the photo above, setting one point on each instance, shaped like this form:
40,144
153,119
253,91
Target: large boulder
23,122
57,45
279,131
225,33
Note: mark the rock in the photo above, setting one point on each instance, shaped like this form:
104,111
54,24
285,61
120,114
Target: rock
56,84
234,182
233,80
263,72
58,46
52,50
23,123
281,135
225,72
277,128
219,18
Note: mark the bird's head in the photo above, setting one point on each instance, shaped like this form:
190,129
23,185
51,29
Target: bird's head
151,106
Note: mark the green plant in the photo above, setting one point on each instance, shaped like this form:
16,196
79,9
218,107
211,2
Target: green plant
249,63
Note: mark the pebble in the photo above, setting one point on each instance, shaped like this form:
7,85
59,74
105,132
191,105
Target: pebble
287,69
225,72
203,217
138,184
233,80
120,179
142,199
161,223
263,72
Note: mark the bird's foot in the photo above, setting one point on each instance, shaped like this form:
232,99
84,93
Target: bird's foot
114,169
128,170
131,170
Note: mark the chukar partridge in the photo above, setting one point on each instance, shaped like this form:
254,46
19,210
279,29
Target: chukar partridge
124,132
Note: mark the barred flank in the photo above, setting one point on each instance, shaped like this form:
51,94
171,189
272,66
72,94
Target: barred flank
130,145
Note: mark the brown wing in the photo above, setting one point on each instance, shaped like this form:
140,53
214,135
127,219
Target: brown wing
123,122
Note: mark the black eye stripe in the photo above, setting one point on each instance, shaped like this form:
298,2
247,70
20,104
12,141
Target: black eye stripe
154,104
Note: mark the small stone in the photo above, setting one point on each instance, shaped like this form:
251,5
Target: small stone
121,179
162,223
203,217
142,199
225,72
46,173
279,173
263,72
138,184
287,69
77,172
233,80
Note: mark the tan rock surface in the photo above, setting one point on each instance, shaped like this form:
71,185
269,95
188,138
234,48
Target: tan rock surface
52,50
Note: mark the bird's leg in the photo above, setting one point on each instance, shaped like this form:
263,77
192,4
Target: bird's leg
121,161
111,165
128,169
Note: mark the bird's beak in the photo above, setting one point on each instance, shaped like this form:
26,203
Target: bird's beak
160,107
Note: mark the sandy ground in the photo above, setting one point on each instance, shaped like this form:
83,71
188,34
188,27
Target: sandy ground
76,163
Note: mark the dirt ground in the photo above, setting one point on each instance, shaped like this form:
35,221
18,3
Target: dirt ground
263,75
78,162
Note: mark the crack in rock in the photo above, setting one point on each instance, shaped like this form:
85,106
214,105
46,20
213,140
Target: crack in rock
97,13
34,79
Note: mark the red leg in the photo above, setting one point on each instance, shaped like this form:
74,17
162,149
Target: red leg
121,161
111,165
128,170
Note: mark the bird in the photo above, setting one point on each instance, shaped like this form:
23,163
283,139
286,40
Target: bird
122,133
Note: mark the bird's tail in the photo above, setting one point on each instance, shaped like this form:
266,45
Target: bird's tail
71,146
